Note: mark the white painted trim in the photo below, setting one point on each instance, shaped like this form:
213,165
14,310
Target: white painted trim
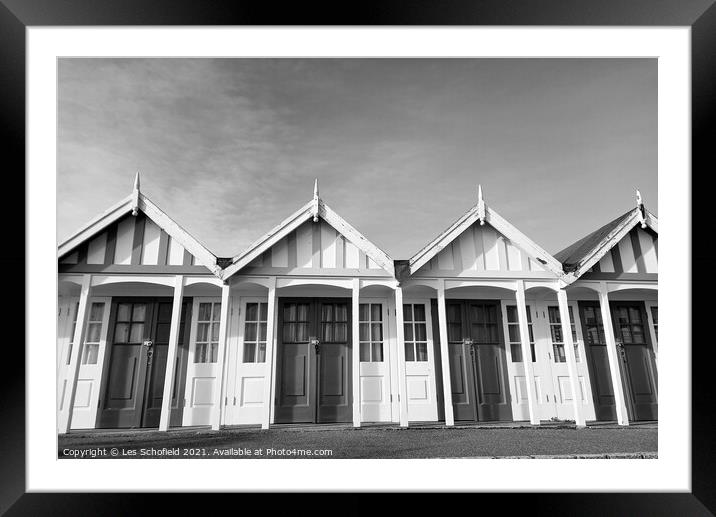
345,283
612,354
355,356
568,344
502,284
271,355
527,353
620,286
402,377
212,280
648,304
170,372
65,416
166,280
445,357
221,359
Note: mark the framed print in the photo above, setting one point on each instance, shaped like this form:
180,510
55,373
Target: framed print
428,247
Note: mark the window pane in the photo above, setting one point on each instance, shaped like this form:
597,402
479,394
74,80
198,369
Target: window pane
121,333
363,312
202,332
123,311
409,352
532,351
214,352
516,352
341,312
93,331
556,333
139,312
408,330
365,352
302,332
326,312
215,331
216,316
634,315
477,313
200,353
419,312
512,313
421,350
626,334
420,332
249,352
553,313
376,312
250,331
532,337
262,331
377,349
263,316
262,353
89,355
340,332
252,311
289,312
637,333
514,332
96,312
364,331
204,311
377,331
529,314
301,311
559,355
326,332
136,333
407,312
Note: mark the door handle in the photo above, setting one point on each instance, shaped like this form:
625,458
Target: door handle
316,344
148,343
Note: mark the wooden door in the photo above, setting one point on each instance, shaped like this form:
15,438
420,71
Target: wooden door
461,357
597,361
419,362
636,355
313,362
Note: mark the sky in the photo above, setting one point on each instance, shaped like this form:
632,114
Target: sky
230,147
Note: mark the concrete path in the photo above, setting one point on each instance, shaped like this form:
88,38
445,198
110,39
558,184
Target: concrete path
367,442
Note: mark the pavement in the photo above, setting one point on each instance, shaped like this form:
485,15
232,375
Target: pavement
385,441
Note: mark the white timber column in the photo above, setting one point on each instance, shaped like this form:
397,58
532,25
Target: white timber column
355,356
445,358
402,377
571,358
223,325
527,353
169,376
270,353
65,417
613,355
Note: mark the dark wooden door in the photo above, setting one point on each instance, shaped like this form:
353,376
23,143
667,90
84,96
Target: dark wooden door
314,361
478,363
133,384
636,354
598,361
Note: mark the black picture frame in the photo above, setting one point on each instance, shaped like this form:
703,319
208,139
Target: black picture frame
17,15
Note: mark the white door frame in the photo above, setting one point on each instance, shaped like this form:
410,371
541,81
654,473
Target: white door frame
428,411
382,369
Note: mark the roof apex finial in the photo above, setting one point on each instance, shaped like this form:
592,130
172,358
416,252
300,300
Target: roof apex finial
315,201
640,207
136,181
480,205
135,195
639,202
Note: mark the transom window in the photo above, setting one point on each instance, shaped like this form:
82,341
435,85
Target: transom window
371,332
555,327
416,333
655,320
207,332
94,331
513,333
255,332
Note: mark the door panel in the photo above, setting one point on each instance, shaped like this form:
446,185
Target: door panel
461,365
314,379
419,362
637,359
598,361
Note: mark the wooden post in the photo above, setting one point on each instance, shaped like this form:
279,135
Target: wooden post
402,378
445,358
65,417
223,325
170,375
355,356
527,353
270,353
571,358
613,355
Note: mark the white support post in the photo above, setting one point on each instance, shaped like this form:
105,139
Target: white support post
527,353
445,358
65,416
402,378
579,419
170,375
223,326
613,355
270,353
355,356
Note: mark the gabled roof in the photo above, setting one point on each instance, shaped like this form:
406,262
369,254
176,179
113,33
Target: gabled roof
579,257
314,210
484,214
133,203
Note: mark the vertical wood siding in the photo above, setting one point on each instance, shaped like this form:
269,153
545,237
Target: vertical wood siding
635,253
